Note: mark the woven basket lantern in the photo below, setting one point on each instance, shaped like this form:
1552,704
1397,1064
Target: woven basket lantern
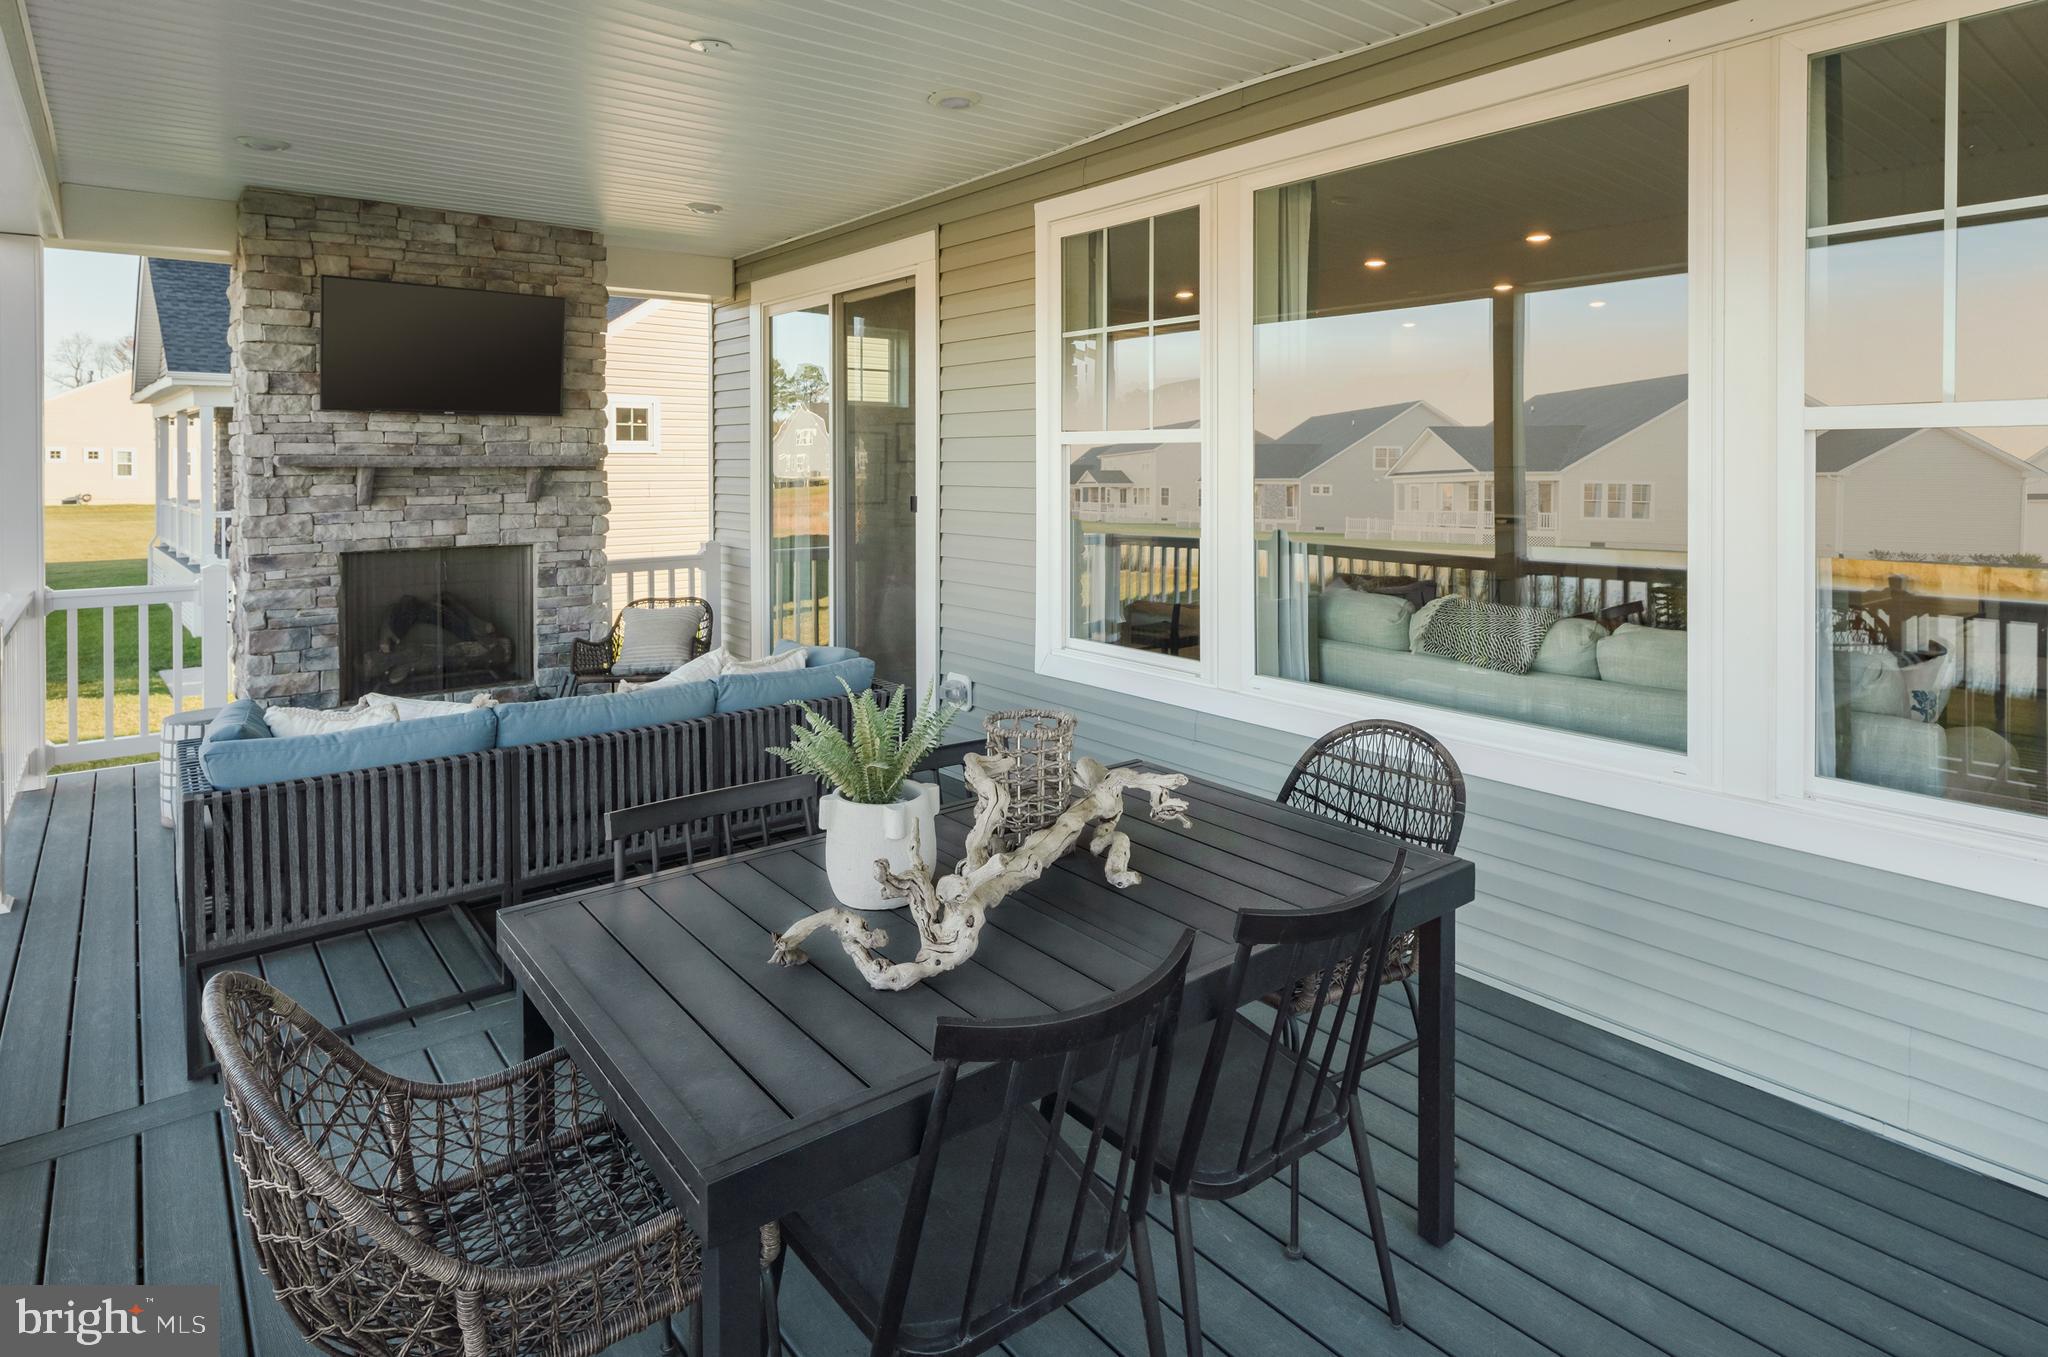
1041,779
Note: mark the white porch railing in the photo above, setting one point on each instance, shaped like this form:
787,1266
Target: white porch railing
699,574
196,533
21,710
113,724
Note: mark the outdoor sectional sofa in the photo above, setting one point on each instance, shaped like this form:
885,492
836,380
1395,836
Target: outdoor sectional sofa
287,841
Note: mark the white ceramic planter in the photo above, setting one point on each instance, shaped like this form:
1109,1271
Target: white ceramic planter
857,835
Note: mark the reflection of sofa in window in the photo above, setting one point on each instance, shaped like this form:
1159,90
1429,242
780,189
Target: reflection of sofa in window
1629,685
1881,741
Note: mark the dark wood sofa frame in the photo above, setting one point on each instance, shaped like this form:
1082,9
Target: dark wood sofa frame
261,868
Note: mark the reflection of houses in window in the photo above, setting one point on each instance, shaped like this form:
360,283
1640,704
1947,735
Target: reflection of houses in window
803,445
1617,453
1941,493
1333,467
1137,483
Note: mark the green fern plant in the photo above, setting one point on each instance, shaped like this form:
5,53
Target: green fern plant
869,767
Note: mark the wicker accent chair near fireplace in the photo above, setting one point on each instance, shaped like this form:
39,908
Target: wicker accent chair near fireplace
592,661
504,1214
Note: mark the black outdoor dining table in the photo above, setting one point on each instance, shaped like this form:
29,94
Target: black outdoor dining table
755,1090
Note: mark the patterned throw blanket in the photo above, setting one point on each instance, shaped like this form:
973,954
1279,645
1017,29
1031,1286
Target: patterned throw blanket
1503,636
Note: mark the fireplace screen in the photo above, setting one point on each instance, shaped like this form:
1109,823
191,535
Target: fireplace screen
435,621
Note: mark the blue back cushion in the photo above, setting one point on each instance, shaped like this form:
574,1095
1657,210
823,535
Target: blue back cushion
238,720
740,692
820,656
566,718
234,760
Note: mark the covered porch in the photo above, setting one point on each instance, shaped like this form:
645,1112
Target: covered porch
1614,1200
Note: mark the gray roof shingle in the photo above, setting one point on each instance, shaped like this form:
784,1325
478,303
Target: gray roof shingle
1316,440
192,312
1562,427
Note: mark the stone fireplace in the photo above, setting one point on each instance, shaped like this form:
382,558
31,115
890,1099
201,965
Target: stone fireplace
337,506
435,620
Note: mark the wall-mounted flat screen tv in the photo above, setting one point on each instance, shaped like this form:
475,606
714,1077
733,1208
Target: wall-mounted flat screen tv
449,350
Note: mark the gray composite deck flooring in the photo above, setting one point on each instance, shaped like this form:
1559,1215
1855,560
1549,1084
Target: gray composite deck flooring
1611,1199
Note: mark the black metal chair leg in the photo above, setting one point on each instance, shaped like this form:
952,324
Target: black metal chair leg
771,1311
1293,1249
1184,1255
1370,1186
1148,1288
697,1328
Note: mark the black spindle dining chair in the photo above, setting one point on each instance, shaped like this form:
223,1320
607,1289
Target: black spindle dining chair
1393,779
685,821
1259,1103
1000,1221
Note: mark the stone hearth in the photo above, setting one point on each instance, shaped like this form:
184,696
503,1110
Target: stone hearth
303,497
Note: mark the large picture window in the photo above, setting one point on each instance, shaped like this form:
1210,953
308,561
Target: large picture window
1927,276
1130,412
1511,313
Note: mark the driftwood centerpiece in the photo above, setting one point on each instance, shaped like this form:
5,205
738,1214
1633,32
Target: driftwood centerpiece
949,912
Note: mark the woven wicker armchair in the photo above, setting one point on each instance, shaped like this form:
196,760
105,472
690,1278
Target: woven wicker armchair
591,661
1393,779
505,1215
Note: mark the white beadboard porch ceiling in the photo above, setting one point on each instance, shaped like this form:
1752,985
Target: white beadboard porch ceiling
597,113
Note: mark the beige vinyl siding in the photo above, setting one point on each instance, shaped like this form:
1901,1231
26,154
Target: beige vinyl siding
732,503
661,499
1907,1005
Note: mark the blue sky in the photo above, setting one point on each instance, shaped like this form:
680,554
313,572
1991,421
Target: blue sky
89,291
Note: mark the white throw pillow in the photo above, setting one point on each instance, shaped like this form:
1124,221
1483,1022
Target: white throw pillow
704,668
291,722
420,708
656,640
768,664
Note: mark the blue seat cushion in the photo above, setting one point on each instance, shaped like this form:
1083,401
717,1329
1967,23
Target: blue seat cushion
566,718
233,760
742,692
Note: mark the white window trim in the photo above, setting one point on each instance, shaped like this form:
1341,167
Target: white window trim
632,400
917,258
1055,620
1744,774
120,474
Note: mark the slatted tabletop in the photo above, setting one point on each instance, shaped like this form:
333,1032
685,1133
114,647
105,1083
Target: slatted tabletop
755,1089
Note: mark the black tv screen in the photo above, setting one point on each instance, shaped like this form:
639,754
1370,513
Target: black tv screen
403,346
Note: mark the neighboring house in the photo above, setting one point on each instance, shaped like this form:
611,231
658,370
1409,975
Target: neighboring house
1331,473
97,442
1933,492
1602,467
803,444
1138,483
658,417
181,380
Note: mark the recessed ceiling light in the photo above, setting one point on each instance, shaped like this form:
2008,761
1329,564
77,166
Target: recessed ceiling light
1538,237
1503,287
1375,263
710,45
1596,305
1407,324
705,209
1186,294
953,101
263,143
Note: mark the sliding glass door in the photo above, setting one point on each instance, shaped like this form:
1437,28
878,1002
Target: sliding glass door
842,475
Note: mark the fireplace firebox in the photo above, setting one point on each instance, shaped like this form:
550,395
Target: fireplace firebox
435,620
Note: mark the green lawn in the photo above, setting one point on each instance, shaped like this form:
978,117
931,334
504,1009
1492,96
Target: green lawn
101,547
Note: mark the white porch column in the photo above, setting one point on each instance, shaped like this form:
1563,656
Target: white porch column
21,524
162,483
184,486
206,497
